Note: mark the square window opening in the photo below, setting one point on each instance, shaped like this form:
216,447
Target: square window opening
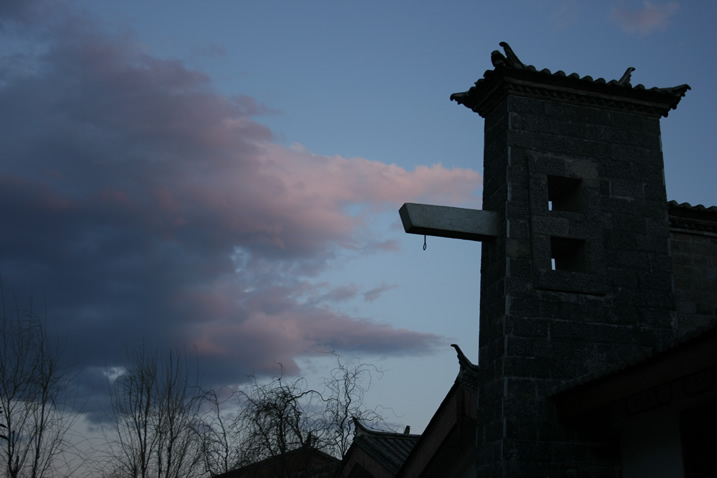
567,254
565,194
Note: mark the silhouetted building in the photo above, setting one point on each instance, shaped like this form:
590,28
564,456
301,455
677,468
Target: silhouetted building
376,454
598,315
447,446
303,462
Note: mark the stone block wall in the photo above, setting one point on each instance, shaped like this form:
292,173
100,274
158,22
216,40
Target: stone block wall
693,235
581,277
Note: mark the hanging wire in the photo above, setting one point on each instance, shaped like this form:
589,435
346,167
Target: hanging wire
424,242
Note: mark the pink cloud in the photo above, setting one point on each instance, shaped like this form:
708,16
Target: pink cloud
179,218
647,19
281,336
252,107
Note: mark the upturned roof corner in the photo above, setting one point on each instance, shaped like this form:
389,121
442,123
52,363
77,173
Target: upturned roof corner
468,373
511,76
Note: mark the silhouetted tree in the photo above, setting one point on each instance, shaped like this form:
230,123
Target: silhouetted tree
33,382
270,419
218,434
155,406
344,399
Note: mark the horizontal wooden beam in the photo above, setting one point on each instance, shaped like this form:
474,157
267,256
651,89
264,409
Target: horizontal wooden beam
452,222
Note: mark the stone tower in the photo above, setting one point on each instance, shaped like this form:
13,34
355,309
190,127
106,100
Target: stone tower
579,274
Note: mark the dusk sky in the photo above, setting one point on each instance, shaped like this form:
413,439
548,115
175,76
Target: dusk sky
225,176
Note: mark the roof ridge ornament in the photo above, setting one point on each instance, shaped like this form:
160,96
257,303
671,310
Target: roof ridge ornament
625,79
510,60
510,76
467,371
463,361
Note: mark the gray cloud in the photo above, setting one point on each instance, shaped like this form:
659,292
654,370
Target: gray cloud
376,292
147,206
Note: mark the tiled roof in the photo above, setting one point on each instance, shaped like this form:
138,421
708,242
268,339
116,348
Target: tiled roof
387,448
510,75
695,218
305,461
689,207
451,410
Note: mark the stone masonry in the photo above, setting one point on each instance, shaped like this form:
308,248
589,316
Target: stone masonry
580,274
693,232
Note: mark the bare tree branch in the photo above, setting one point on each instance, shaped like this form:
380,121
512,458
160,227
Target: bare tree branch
33,386
155,407
284,414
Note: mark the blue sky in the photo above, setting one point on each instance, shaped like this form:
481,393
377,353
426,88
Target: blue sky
226,175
